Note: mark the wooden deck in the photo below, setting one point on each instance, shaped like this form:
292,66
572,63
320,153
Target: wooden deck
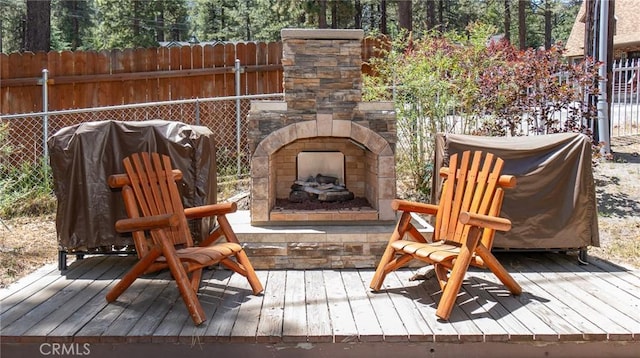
567,309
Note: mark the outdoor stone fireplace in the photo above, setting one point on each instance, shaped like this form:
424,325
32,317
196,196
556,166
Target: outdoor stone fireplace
321,122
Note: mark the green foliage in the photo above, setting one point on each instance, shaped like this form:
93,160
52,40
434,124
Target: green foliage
12,13
459,83
26,190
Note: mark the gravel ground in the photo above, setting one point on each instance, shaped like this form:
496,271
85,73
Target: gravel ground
26,243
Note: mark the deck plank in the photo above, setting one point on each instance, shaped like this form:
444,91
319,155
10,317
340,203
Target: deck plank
15,306
89,309
363,312
248,318
271,315
559,316
318,321
342,320
294,327
515,329
426,306
211,294
92,286
56,296
390,321
522,308
225,316
94,329
477,310
567,305
466,329
48,270
600,296
417,328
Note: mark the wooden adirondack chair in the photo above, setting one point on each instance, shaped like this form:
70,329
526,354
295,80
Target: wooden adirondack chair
465,222
158,222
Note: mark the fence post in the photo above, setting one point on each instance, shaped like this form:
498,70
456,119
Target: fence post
197,111
237,71
45,117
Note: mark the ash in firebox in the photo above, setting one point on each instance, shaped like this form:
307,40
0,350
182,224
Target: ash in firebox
285,204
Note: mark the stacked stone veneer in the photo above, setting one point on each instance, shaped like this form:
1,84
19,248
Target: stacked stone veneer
322,111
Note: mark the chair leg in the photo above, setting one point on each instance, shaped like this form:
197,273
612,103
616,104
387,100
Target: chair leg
196,277
138,269
458,271
389,252
496,267
442,274
251,276
179,274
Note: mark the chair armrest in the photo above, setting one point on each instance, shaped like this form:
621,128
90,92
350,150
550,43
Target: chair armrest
147,223
485,221
412,206
210,210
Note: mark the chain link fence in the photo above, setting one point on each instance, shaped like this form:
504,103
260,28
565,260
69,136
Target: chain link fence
24,153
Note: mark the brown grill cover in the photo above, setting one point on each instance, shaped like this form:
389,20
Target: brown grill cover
84,155
553,205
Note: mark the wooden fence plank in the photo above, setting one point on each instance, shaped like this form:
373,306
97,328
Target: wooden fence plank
103,67
219,61
261,59
251,78
207,83
230,55
164,64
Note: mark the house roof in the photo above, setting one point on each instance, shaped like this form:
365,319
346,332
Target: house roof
627,28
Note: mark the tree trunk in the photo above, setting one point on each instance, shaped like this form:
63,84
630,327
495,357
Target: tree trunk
38,26
431,15
522,24
404,15
383,17
547,24
358,16
441,13
507,20
334,14
322,15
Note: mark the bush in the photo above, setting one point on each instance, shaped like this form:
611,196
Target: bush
461,83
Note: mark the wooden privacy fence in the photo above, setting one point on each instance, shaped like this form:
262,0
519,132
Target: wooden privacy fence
86,79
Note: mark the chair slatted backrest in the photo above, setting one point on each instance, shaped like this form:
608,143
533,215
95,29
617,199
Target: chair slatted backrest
472,185
153,183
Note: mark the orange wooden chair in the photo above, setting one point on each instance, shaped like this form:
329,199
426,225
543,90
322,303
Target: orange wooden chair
158,222
465,222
